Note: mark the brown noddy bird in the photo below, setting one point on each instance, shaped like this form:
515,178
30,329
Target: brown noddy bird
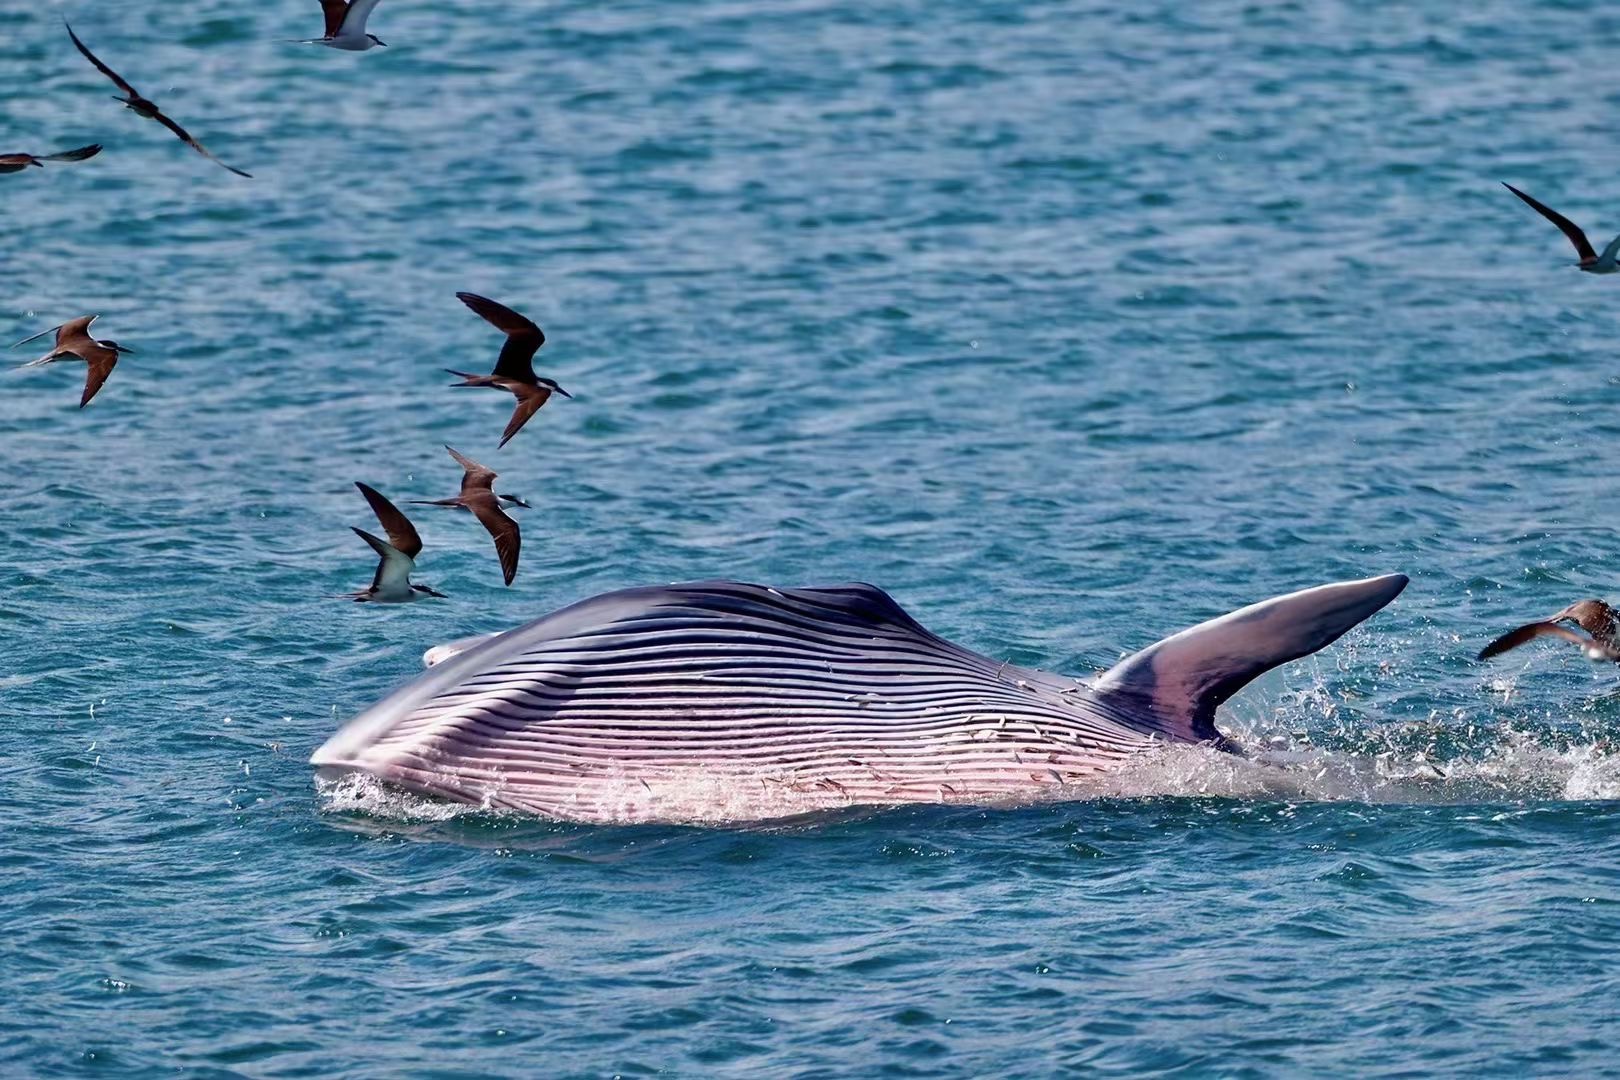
514,368
1591,261
478,497
10,163
73,342
146,108
1599,620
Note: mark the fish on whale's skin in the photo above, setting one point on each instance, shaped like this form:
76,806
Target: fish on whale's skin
723,701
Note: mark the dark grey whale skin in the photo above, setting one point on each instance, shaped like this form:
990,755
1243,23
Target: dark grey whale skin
722,701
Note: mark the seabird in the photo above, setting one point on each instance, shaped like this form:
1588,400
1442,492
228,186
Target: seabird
478,496
1591,261
1598,619
514,369
392,585
346,26
73,342
146,108
10,163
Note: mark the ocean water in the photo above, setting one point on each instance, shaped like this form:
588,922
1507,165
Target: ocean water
1068,323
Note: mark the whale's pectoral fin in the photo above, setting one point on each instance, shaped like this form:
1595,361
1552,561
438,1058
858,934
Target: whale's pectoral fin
440,653
1176,685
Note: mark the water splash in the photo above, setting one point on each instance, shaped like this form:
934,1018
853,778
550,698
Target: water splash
358,794
1519,770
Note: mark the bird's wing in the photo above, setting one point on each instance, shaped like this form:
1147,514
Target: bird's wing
80,154
117,79
500,316
1583,246
395,567
523,337
503,529
529,400
334,10
186,138
1528,632
516,360
101,365
401,533
476,477
37,336
74,336
359,12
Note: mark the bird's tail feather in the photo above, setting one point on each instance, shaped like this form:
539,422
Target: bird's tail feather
470,379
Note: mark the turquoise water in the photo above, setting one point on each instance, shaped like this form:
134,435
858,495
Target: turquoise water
1067,323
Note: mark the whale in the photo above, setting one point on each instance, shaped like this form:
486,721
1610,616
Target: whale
722,701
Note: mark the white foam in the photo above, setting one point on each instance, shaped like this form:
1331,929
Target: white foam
358,793
1515,767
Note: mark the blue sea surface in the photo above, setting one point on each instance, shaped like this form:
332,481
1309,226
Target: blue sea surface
1068,323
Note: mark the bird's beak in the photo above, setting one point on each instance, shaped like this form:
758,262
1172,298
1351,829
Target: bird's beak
125,348
381,42
563,392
